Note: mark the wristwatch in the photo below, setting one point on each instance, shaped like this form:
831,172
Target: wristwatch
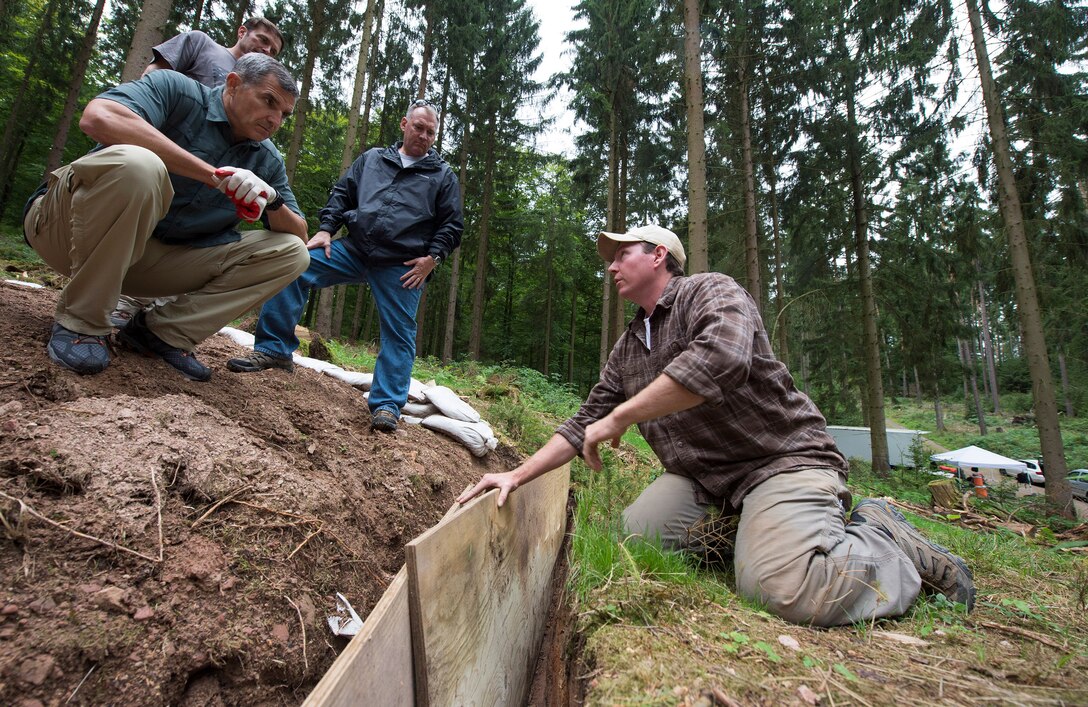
437,259
274,204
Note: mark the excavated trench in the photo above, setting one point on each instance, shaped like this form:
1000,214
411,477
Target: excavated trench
557,678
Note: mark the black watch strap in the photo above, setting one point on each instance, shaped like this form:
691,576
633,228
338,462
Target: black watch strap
274,204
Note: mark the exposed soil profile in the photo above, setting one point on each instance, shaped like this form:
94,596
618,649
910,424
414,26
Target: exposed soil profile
263,494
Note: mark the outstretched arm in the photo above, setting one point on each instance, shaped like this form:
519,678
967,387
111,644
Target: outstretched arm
663,396
552,455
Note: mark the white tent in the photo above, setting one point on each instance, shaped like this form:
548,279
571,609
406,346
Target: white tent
977,458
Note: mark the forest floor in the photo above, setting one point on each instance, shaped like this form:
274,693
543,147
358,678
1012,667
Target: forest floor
170,542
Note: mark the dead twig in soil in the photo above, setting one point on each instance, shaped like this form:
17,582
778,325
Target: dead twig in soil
320,527
81,683
226,499
25,507
305,662
1023,633
158,512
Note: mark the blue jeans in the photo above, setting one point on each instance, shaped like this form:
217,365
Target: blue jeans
397,305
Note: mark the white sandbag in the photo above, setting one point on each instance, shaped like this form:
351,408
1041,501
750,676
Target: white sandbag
476,436
411,419
450,405
24,283
356,379
416,391
420,409
242,338
315,364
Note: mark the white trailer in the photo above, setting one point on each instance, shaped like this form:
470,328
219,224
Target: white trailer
854,442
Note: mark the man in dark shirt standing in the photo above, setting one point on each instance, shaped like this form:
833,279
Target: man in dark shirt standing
696,372
154,209
401,206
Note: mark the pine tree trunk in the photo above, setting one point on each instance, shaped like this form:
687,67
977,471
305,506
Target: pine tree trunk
780,327
693,99
429,12
548,300
302,105
79,71
350,137
873,376
455,267
323,325
1065,385
988,350
1058,493
938,413
241,12
572,341
751,233
375,43
337,328
357,315
969,357
480,280
148,33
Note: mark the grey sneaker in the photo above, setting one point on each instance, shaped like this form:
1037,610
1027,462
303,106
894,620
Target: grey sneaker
259,361
136,336
383,420
83,353
941,571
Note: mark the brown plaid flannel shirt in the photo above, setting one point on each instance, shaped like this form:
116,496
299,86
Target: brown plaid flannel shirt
707,335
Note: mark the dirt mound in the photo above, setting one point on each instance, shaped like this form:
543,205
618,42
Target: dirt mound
170,542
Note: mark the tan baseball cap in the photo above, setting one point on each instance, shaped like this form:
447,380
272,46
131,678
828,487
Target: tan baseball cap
607,243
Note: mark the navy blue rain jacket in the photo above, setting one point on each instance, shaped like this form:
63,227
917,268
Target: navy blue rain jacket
394,213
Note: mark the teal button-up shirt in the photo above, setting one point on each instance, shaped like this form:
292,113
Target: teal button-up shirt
193,116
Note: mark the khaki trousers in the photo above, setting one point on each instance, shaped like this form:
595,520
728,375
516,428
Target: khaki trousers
94,225
794,551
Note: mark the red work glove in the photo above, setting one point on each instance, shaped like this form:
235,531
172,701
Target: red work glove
249,192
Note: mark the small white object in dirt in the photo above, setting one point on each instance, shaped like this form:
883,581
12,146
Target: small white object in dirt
346,622
451,405
242,338
410,419
23,283
477,436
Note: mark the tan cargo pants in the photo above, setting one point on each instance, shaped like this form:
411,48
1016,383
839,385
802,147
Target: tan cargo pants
94,225
794,550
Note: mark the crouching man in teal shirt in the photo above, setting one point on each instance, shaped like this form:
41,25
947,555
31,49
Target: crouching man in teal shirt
154,209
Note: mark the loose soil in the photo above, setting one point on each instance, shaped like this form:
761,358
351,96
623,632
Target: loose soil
170,542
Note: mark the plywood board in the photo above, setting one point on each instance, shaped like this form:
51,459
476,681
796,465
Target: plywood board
376,667
479,585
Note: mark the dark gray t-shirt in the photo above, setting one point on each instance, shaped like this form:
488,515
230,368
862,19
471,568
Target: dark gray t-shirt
197,56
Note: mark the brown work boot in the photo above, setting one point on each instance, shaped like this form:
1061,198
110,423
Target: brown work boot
941,571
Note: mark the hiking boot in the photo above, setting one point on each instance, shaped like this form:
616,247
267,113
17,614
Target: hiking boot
83,353
259,361
941,571
383,420
136,336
